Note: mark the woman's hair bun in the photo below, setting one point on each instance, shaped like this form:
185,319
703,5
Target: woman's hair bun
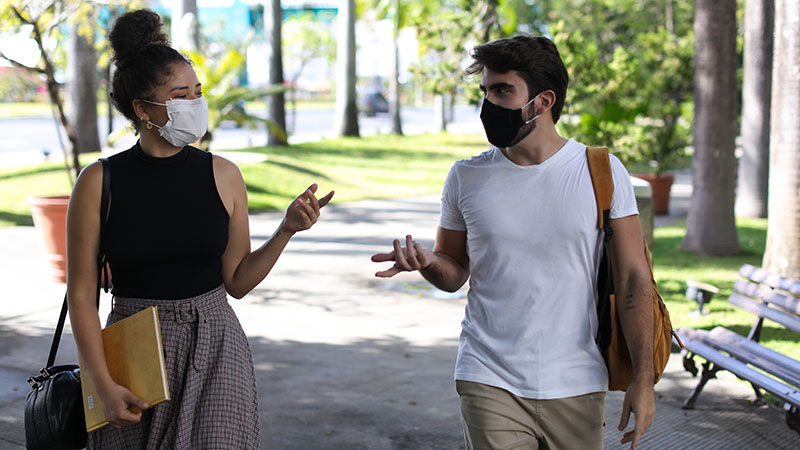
134,32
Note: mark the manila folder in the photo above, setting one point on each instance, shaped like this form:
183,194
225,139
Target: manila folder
135,360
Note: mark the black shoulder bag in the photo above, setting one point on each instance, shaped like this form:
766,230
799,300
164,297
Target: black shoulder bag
54,406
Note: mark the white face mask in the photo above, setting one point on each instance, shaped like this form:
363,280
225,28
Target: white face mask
188,120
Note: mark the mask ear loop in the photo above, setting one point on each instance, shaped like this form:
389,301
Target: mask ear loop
532,101
150,125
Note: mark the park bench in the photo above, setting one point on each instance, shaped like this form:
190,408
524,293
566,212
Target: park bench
767,296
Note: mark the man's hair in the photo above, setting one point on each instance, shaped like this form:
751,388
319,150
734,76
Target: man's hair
534,58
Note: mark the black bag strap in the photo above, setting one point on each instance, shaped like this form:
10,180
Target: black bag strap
101,262
105,197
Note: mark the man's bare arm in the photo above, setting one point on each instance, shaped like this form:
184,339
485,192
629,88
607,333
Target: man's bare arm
634,307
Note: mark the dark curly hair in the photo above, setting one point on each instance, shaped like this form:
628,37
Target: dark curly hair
534,58
143,58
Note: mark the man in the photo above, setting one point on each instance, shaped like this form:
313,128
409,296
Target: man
519,221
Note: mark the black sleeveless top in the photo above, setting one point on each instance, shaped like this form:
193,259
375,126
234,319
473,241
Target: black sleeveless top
167,227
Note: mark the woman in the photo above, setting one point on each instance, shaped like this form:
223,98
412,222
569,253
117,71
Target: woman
177,237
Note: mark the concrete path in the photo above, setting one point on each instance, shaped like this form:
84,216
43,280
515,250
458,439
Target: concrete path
348,361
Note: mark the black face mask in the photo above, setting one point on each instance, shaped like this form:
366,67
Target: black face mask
502,124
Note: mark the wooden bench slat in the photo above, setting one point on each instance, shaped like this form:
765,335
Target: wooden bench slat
786,319
749,352
773,280
755,354
766,294
783,391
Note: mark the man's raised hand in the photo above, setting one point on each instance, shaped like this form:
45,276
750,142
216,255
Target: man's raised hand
406,259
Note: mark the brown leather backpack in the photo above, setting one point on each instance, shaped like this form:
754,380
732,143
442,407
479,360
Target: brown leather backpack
610,337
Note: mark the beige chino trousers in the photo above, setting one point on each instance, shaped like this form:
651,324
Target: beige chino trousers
495,419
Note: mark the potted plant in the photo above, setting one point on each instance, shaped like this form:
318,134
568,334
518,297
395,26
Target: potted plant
50,218
662,145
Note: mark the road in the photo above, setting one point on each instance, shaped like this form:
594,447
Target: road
24,141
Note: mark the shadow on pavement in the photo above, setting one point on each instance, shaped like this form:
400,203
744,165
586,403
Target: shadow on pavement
368,394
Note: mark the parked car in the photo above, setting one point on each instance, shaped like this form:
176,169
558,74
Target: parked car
373,103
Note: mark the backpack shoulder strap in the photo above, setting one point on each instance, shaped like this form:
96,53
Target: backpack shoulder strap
603,184
602,181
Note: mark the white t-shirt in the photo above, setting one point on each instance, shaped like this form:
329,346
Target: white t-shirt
534,249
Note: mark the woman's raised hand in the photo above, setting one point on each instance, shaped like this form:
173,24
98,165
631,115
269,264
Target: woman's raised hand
304,211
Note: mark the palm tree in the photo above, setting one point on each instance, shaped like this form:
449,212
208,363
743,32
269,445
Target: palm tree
751,199
396,11
783,234
277,102
82,83
346,114
711,226
185,28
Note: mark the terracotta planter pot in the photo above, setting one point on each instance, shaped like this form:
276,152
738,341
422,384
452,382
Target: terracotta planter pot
661,185
50,218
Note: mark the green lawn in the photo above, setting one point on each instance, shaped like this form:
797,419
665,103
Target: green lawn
356,168
22,110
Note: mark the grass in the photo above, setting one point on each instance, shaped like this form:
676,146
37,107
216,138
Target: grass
40,180
356,168
24,110
38,110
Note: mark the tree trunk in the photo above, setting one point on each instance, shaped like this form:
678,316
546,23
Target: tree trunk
783,235
711,226
670,16
185,29
753,181
489,20
277,102
54,92
394,82
440,111
346,121
82,89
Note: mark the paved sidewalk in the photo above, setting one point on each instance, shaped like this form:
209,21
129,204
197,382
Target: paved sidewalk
348,361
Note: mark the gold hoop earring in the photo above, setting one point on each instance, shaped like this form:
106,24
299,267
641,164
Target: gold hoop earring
149,126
